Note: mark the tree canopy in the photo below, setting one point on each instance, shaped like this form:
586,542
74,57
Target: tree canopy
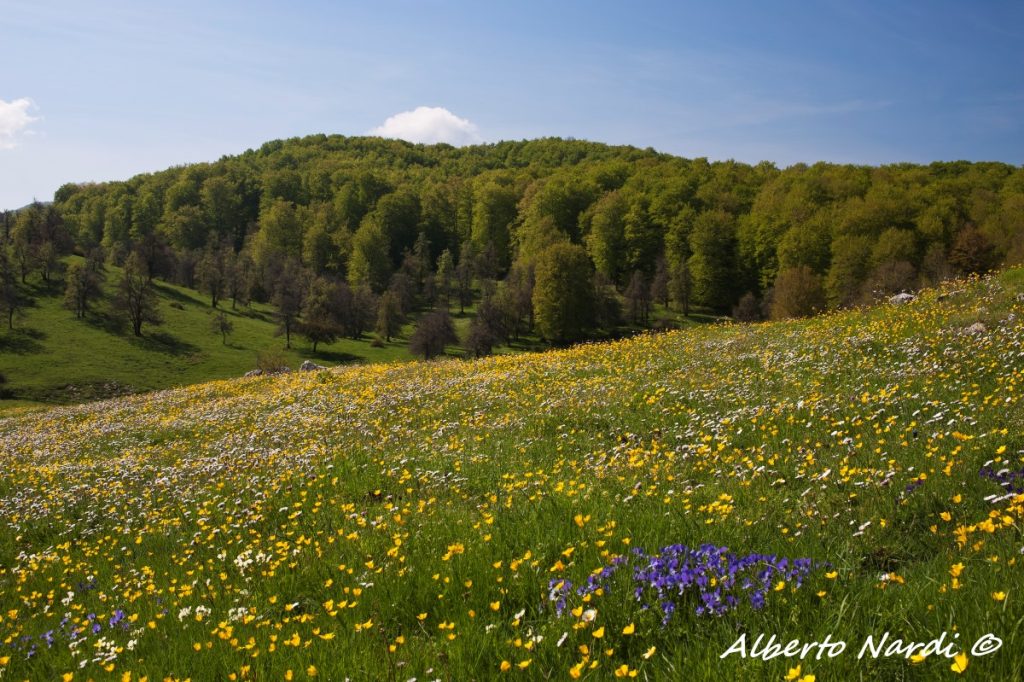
386,215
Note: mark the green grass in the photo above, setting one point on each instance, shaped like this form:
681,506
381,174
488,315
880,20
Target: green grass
406,520
52,358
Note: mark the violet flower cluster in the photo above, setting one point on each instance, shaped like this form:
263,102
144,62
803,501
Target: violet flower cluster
1012,481
709,579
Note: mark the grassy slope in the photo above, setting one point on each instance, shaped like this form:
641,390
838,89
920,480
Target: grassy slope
51,357
49,350
405,521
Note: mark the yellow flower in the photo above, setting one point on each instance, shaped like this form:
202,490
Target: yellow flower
959,663
650,652
523,665
629,629
311,671
598,633
505,666
793,673
495,605
999,596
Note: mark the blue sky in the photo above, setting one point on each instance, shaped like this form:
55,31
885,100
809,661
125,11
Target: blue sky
103,90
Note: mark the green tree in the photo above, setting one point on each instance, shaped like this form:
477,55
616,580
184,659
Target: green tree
606,241
220,203
850,263
713,263
895,245
318,249
221,324
184,228
25,237
806,243
147,210
643,239
494,211
319,316
135,295
563,293
398,216
369,264
279,234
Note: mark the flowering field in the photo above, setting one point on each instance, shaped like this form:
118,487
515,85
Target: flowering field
614,510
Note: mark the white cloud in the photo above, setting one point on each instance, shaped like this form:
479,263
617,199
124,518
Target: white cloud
429,125
14,120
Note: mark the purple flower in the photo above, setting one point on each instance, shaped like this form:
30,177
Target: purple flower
711,579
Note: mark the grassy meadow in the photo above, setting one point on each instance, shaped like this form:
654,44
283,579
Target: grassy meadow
614,510
50,357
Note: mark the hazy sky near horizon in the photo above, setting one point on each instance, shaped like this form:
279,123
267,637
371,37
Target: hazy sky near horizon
93,91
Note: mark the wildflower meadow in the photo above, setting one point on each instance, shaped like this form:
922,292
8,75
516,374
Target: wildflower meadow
616,510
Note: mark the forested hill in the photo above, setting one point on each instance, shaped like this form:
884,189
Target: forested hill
415,220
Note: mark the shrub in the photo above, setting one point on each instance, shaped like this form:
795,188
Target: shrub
271,361
748,309
798,293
